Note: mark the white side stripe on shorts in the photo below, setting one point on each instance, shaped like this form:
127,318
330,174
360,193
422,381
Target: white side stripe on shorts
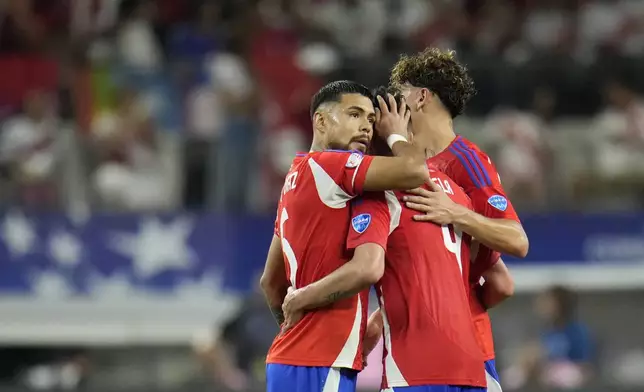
332,383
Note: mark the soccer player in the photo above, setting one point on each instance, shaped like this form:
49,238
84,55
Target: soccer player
429,339
437,88
323,352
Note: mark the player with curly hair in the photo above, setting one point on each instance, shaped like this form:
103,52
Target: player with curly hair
437,89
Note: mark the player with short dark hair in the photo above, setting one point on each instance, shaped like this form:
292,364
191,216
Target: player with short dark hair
324,351
437,88
430,343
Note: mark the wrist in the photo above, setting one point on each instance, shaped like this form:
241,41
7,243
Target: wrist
301,298
395,138
461,215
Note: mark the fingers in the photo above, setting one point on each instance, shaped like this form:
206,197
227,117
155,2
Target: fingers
403,107
378,115
418,207
427,201
407,115
424,218
418,191
434,186
392,103
383,106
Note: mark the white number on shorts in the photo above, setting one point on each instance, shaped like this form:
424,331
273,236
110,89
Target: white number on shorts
286,248
453,246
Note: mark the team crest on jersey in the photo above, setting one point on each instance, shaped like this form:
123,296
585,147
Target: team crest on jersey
499,202
354,160
361,222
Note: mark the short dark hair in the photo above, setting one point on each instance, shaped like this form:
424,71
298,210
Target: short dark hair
333,92
439,72
379,146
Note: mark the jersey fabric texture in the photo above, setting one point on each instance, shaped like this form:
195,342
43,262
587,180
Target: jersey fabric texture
312,222
473,171
428,332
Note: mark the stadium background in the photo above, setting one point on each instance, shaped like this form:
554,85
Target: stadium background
143,145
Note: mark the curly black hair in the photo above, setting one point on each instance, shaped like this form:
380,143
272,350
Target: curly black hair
439,72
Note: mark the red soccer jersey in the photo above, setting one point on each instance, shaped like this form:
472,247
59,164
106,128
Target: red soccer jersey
473,170
428,333
312,221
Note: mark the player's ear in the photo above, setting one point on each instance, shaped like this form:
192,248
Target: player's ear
319,121
424,95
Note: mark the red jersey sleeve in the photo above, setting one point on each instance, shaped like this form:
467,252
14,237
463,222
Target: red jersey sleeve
483,258
369,221
476,174
348,169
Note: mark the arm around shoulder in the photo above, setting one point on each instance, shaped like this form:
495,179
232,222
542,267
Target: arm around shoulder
406,170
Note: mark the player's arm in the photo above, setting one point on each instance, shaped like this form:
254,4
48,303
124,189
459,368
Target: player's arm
504,235
273,282
404,171
407,168
368,238
364,269
498,285
493,222
373,332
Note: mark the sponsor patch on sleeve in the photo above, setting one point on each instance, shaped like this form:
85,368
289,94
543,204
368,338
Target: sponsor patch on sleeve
361,222
499,202
354,160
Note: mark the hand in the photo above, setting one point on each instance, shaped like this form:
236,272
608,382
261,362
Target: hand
394,121
291,308
435,204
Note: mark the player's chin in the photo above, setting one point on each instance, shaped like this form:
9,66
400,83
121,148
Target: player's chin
358,146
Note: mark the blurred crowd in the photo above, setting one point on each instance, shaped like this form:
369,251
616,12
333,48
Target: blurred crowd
159,104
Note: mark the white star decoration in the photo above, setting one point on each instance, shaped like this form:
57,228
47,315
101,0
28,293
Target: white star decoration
157,246
65,248
18,233
50,286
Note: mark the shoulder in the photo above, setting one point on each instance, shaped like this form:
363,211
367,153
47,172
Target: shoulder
470,166
348,158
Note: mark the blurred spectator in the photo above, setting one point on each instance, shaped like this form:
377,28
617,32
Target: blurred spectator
131,174
564,356
138,46
522,141
236,355
358,27
619,132
27,146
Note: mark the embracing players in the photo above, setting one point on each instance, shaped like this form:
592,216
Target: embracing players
437,87
429,339
323,352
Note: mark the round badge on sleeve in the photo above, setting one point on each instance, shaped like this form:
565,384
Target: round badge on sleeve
354,160
499,202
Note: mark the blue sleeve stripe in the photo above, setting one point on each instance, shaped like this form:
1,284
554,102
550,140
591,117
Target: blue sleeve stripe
467,167
487,181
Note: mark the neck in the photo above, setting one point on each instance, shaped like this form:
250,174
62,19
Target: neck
436,134
316,145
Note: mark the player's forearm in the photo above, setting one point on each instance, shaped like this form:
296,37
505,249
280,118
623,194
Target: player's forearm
490,296
503,235
274,295
346,281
